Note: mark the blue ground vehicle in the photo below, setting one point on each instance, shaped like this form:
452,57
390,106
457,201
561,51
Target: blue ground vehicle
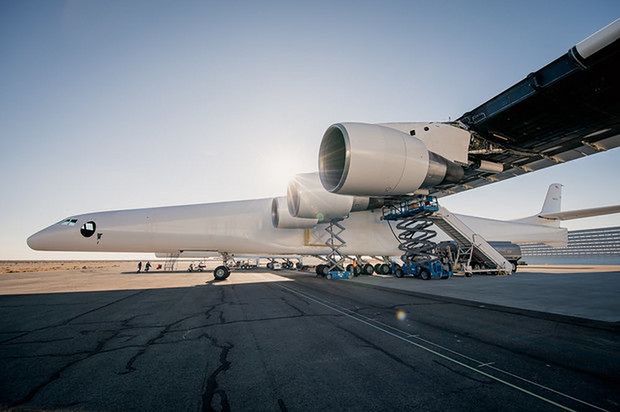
425,269
336,275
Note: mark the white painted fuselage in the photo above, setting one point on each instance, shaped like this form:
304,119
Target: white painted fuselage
245,227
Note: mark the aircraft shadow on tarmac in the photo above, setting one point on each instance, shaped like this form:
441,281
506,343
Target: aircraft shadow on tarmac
299,344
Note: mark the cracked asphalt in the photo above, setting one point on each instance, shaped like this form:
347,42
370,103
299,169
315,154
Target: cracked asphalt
293,342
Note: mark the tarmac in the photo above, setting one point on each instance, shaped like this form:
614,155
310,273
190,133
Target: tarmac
288,341
581,292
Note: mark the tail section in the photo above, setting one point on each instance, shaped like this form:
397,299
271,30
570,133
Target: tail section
551,213
553,200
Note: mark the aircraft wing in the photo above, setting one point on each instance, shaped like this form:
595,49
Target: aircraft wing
578,214
568,109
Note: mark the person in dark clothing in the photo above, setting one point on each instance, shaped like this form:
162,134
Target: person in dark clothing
139,267
147,266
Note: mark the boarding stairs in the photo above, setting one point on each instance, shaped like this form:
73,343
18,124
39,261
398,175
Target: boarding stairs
469,244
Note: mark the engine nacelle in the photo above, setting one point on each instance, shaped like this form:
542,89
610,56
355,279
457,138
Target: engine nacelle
307,198
282,219
372,160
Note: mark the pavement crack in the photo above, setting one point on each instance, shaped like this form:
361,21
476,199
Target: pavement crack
58,373
67,321
289,304
129,368
461,373
211,386
377,348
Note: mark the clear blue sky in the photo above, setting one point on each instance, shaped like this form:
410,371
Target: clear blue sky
125,104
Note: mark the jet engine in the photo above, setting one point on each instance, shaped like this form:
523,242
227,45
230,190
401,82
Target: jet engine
307,198
282,219
373,160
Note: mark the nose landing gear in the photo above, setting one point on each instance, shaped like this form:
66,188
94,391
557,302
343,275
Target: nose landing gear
223,271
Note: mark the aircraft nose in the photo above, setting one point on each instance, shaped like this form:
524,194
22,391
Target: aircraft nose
42,240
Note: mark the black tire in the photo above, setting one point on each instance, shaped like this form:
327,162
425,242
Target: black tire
514,267
424,274
377,268
328,276
398,273
468,274
349,268
357,271
270,265
384,269
368,269
299,266
319,270
394,268
221,273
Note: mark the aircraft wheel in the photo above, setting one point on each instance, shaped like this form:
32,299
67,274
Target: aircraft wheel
384,269
357,271
299,266
424,274
395,268
368,269
468,274
349,268
398,272
319,270
377,267
270,265
221,273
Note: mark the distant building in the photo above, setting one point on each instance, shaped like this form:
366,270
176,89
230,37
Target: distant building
590,246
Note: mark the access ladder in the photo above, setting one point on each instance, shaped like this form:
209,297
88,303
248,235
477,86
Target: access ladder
469,243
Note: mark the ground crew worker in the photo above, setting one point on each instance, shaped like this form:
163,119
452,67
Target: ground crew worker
139,267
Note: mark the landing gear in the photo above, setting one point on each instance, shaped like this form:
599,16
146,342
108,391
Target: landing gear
368,269
384,269
322,270
221,272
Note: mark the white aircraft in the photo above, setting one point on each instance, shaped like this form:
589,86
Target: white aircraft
564,111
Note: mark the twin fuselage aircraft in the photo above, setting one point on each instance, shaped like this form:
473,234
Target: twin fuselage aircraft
566,110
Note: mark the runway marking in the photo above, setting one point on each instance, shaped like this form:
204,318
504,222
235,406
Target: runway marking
366,320
485,364
477,361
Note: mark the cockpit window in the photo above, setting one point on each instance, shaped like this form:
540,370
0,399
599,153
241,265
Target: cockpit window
88,229
68,222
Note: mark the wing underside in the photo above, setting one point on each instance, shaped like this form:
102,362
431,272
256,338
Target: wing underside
566,110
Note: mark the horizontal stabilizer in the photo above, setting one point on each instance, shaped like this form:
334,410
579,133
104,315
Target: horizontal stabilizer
578,214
